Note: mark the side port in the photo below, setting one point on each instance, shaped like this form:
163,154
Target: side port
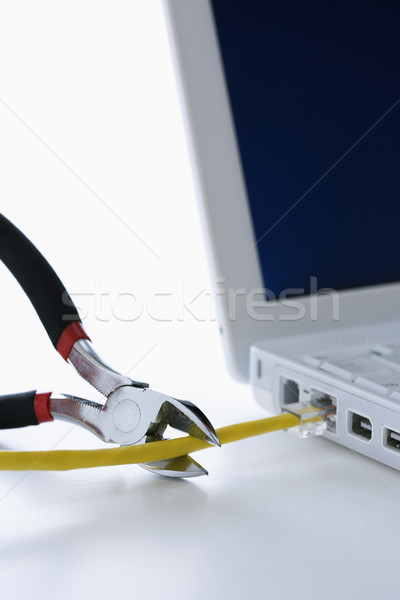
391,439
290,391
360,426
321,399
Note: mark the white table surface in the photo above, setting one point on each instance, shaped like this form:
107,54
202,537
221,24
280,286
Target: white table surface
93,158
276,517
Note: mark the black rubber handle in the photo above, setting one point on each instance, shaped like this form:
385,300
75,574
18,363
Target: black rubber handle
39,281
17,410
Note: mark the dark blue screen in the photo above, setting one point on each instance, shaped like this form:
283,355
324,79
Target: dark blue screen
309,85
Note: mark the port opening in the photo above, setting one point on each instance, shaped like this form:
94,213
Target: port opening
259,369
322,399
360,426
290,391
391,439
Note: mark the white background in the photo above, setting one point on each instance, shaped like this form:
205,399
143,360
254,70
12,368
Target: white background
94,170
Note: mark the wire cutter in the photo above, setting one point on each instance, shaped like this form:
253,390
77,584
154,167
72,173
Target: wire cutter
132,412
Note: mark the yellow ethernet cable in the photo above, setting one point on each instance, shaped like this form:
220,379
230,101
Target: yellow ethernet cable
305,420
64,460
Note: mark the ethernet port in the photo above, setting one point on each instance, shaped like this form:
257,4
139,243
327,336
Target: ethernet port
360,426
290,391
323,400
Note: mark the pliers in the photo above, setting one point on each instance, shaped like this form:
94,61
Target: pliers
132,412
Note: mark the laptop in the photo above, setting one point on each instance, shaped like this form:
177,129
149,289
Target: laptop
292,114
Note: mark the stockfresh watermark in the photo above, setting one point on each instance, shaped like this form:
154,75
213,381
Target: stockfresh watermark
180,302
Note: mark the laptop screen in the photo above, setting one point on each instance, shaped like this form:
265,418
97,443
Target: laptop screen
315,95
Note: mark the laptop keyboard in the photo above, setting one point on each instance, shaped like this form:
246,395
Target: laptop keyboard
377,369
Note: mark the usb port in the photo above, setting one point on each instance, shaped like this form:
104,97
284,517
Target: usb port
360,426
391,439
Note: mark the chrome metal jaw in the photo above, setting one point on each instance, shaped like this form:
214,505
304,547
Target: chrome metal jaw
132,413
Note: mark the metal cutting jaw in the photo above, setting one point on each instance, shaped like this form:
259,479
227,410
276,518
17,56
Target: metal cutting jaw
132,413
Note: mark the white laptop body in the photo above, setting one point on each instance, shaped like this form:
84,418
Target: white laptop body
343,345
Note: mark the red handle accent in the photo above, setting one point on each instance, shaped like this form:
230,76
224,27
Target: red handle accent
69,336
41,407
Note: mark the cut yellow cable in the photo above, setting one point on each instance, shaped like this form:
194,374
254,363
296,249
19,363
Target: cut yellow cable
64,460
